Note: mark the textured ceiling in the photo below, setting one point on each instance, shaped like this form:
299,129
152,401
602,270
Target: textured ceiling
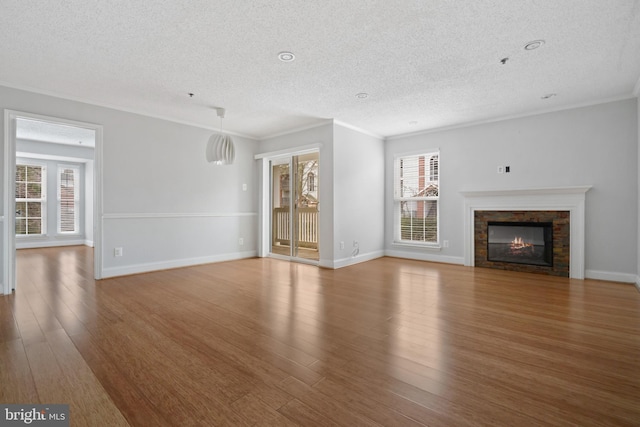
36,130
424,64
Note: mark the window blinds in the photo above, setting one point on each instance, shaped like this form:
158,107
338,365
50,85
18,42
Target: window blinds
68,199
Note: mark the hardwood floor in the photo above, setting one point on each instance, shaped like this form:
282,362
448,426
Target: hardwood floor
265,342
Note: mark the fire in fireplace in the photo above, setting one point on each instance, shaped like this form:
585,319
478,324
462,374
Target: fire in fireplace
520,242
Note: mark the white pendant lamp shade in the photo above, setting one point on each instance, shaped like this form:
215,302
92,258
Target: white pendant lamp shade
220,150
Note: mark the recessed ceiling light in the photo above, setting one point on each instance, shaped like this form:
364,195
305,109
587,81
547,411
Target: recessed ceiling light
286,56
362,95
533,45
547,96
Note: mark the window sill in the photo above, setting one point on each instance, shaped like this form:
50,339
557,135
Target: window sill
428,246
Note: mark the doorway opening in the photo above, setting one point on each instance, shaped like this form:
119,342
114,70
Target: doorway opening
52,187
294,207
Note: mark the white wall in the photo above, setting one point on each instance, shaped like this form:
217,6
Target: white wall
166,206
162,202
359,196
351,190
594,145
638,167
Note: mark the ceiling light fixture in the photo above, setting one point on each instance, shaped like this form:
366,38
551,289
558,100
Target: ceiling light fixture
362,95
220,150
533,45
286,56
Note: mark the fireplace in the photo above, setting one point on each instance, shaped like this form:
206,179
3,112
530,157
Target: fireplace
565,207
520,242
527,241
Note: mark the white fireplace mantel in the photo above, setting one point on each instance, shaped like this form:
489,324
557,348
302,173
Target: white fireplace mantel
570,199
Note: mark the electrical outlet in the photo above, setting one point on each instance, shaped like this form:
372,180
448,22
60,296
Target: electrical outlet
341,245
500,169
244,187
445,243
507,169
241,241
117,252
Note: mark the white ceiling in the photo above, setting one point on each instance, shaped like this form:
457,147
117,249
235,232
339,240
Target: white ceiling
425,64
36,130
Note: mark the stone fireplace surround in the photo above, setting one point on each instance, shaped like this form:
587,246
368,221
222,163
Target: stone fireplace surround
570,199
560,222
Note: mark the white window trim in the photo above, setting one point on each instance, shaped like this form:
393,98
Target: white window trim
396,203
42,200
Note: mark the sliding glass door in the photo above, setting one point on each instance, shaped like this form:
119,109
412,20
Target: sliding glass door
294,207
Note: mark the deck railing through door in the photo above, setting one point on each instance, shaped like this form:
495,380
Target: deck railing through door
307,227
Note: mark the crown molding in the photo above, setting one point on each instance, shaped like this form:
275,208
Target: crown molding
357,129
120,108
511,117
296,130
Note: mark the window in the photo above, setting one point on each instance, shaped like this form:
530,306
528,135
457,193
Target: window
311,181
68,199
416,194
30,199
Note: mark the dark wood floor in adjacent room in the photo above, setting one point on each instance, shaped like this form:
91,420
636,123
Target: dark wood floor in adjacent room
265,342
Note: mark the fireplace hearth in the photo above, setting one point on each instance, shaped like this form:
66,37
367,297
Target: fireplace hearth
520,242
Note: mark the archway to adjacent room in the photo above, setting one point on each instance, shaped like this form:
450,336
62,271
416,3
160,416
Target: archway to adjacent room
52,187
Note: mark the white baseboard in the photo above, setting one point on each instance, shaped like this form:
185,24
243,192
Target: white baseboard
48,243
88,243
637,283
345,262
166,265
611,276
425,257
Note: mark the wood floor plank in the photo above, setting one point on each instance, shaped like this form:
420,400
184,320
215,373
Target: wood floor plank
306,416
8,327
124,391
15,374
339,411
267,342
89,397
51,384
